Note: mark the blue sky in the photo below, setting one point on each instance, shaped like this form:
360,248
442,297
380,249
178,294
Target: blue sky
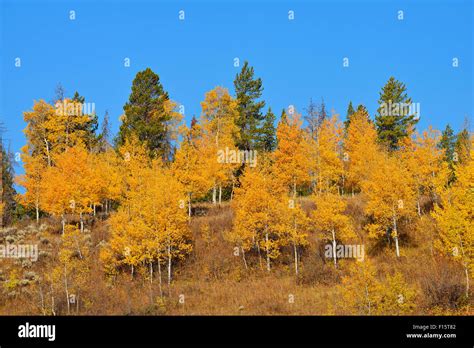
297,60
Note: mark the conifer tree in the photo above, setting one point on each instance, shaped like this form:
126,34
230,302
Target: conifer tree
267,136
248,90
146,114
393,119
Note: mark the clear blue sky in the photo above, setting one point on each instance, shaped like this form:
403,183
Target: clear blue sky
296,59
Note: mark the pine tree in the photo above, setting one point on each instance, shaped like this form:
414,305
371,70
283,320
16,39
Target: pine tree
7,190
350,112
90,125
146,114
393,120
267,136
248,90
448,143
104,137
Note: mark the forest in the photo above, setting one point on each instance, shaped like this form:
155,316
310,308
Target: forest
238,212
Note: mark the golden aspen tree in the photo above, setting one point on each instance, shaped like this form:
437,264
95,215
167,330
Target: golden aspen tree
151,226
327,154
454,217
424,160
68,186
294,224
330,220
108,179
52,129
257,215
360,288
69,126
219,133
189,166
32,181
360,149
39,130
390,197
292,161
73,268
364,294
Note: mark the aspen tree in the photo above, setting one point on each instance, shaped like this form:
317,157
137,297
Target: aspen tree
455,219
292,160
219,133
327,156
256,213
189,166
330,220
32,181
424,161
390,197
360,149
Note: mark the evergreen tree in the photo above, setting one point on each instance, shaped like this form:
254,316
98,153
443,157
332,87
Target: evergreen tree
104,136
7,191
248,90
267,139
350,112
393,120
447,143
90,127
146,114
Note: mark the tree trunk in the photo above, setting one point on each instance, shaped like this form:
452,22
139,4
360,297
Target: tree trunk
63,222
151,282
395,236
159,273
243,258
189,206
220,194
169,267
82,222
259,255
268,251
37,212
214,193
66,289
296,258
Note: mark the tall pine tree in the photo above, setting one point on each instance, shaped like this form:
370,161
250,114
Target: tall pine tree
350,112
393,120
248,90
447,143
267,139
145,114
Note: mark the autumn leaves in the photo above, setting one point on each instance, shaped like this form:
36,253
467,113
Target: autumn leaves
282,197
